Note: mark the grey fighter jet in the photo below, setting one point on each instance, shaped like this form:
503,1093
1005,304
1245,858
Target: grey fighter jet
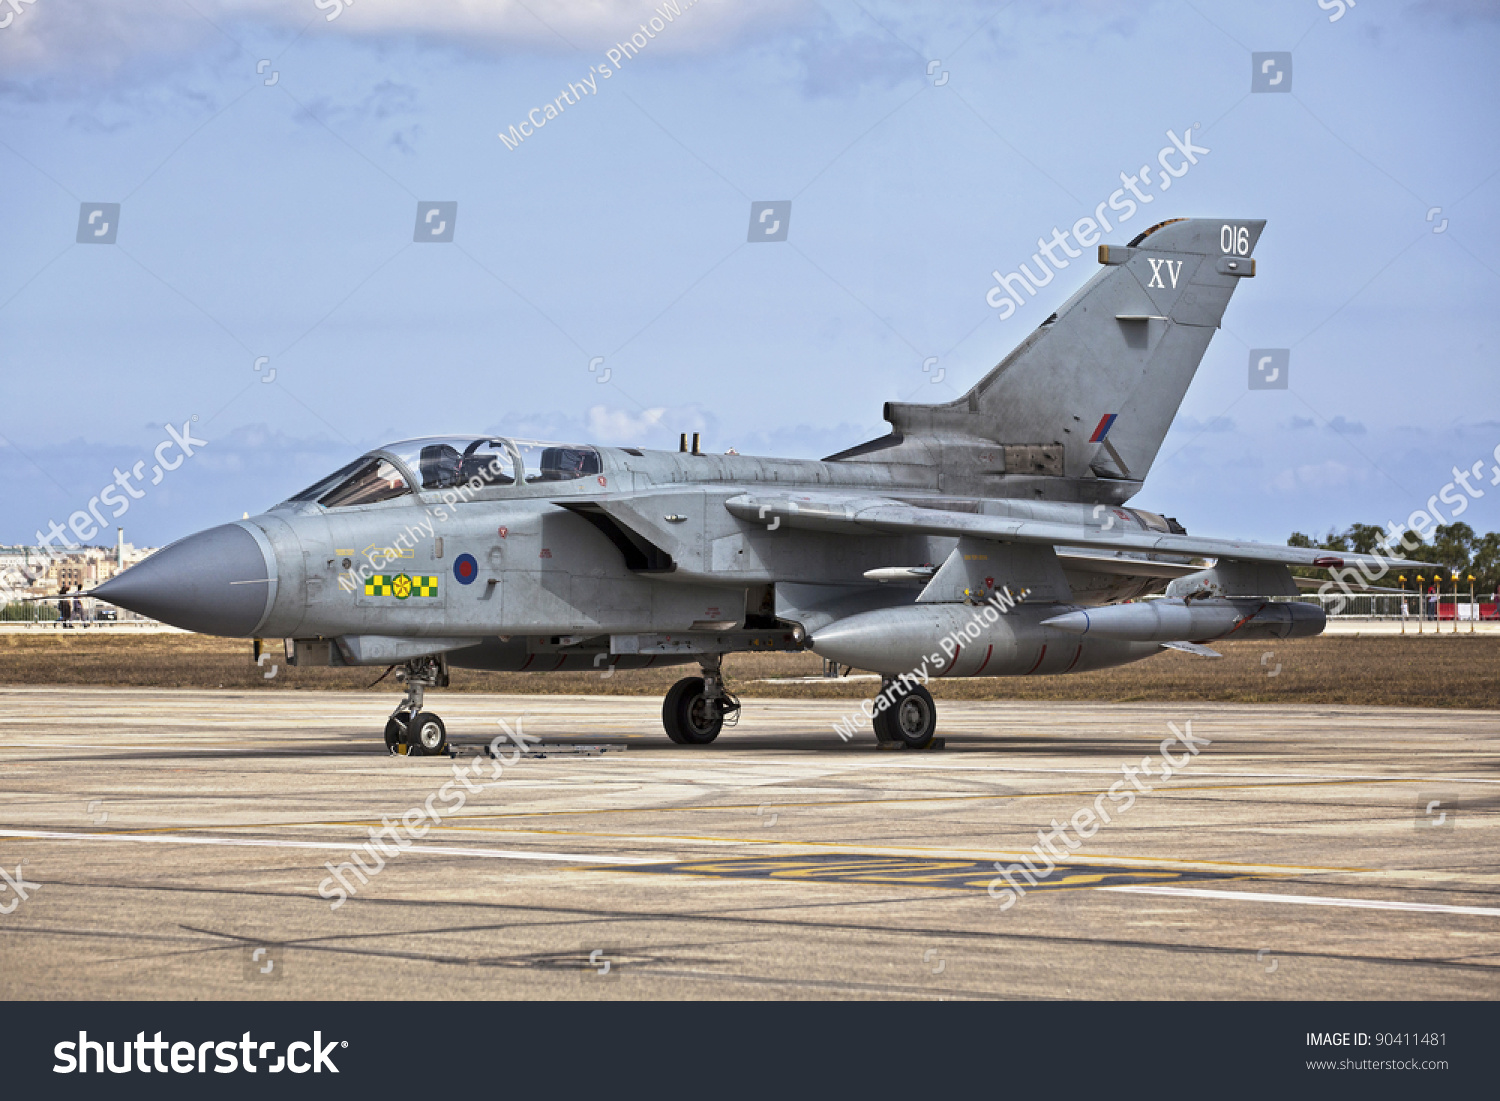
987,536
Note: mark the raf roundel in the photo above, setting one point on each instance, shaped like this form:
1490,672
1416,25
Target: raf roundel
465,569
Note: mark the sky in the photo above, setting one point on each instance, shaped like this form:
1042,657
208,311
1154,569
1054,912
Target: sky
262,283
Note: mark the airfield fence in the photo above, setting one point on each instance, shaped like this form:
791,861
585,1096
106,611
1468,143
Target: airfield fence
44,613
1386,606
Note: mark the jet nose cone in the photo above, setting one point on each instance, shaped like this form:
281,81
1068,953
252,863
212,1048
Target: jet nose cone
1073,622
192,583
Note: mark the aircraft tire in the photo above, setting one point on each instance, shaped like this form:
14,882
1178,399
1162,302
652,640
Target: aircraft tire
392,736
911,722
426,736
688,716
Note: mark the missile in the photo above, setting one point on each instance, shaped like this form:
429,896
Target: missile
963,640
1200,621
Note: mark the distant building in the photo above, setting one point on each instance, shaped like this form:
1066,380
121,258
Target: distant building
39,571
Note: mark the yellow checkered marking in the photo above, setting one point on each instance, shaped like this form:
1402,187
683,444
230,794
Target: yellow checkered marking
401,585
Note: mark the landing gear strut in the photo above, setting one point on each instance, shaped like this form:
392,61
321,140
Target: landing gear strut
696,707
410,730
911,720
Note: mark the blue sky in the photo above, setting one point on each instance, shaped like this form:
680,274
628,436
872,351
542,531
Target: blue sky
277,220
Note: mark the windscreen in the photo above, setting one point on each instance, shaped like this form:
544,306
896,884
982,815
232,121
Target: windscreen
375,480
323,485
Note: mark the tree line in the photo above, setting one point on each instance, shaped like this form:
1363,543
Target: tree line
1456,546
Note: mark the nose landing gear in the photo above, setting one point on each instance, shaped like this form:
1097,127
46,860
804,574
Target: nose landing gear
410,730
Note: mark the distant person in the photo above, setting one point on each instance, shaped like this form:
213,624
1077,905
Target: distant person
64,611
78,612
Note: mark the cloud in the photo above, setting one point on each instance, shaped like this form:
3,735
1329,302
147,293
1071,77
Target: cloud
1299,423
1345,427
101,38
611,426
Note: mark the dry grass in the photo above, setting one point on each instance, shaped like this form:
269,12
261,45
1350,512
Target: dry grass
1446,671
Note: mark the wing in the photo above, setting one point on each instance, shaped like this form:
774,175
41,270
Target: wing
863,515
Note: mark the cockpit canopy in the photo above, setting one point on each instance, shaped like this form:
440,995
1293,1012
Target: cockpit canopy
436,463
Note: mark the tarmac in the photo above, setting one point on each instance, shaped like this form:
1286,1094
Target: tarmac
183,845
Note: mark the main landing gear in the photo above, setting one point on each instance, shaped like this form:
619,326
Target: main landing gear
911,718
696,707
410,730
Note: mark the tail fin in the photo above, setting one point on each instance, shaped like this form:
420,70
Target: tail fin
1090,394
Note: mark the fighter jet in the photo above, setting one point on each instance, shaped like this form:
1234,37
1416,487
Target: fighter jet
984,537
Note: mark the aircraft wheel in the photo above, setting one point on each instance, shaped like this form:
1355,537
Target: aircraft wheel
911,721
392,736
690,718
426,736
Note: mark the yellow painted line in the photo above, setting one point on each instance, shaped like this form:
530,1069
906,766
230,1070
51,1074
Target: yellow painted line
930,876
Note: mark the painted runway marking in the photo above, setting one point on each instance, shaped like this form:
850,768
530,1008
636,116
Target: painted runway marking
339,846
916,872
1305,900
